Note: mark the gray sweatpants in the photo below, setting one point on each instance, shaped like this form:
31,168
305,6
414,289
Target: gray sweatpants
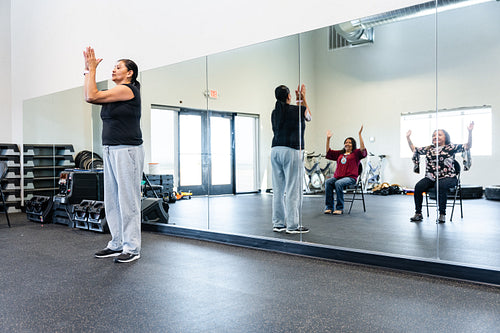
123,167
288,174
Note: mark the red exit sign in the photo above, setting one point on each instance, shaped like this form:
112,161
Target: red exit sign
212,94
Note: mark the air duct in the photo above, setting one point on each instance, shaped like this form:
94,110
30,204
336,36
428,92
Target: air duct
354,30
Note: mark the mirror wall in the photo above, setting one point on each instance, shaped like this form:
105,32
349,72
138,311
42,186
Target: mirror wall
370,85
55,127
174,101
207,122
467,68
245,80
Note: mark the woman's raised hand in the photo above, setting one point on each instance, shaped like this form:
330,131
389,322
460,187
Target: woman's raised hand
471,126
361,130
408,134
303,91
329,134
91,61
300,93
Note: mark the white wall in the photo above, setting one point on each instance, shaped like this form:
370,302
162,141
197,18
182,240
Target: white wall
47,37
5,72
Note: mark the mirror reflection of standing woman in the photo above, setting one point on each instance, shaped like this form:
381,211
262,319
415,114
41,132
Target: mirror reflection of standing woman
442,151
289,123
123,155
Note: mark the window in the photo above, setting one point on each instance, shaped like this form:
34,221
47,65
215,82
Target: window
455,122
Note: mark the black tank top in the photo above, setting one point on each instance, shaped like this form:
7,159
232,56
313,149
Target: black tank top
288,125
121,121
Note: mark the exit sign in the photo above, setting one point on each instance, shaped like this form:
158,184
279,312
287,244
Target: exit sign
212,94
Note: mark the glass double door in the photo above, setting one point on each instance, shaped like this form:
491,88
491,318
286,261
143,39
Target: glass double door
206,152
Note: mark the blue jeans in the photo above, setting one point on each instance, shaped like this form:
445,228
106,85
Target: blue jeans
339,185
123,166
288,171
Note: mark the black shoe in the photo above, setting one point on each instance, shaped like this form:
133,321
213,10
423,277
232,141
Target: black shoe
442,218
279,229
299,230
106,253
127,257
417,217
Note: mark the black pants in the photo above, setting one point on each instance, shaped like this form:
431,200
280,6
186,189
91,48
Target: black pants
444,185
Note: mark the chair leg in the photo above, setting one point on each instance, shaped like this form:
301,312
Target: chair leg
352,201
363,198
453,206
458,192
354,198
427,203
461,209
8,220
5,208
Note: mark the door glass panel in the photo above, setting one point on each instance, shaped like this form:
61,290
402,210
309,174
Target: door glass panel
190,157
245,130
163,142
220,148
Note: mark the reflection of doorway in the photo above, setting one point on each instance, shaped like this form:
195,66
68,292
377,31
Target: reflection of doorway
206,152
203,150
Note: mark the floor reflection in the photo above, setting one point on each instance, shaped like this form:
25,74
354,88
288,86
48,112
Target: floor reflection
385,227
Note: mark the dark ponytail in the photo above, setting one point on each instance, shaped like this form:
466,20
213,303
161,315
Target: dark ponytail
132,66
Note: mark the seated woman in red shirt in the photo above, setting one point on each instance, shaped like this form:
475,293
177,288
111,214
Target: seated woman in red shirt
348,160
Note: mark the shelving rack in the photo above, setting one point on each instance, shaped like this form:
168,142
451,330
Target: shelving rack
11,186
42,165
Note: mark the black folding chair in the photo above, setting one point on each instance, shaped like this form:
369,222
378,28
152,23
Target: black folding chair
356,190
3,173
456,191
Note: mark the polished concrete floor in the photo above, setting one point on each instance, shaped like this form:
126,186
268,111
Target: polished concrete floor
50,282
384,227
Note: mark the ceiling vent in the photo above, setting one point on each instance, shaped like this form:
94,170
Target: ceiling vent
359,32
337,40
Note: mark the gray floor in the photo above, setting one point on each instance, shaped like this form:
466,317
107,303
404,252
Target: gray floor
51,283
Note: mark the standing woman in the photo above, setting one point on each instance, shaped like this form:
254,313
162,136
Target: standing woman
440,158
123,155
289,123
346,173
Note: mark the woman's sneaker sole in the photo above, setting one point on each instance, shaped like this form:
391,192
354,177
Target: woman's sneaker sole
127,257
107,253
301,230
